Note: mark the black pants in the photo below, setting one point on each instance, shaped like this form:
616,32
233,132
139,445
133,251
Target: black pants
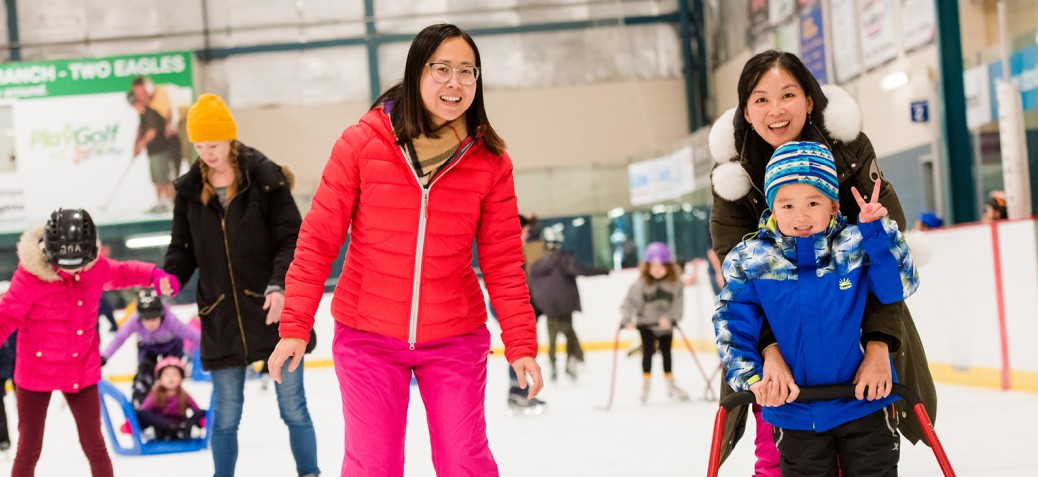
866,447
563,324
166,429
649,346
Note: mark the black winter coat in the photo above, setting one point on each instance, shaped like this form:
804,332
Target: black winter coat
238,252
553,282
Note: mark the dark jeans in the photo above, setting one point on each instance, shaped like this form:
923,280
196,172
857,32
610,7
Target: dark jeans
650,342
865,447
563,324
32,416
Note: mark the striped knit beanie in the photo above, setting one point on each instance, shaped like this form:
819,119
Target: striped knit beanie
804,163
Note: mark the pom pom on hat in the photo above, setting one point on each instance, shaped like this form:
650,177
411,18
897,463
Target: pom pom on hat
209,119
801,162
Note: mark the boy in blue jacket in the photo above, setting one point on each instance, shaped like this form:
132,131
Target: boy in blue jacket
807,272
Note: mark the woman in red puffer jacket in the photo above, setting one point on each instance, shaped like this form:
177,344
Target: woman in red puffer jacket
415,183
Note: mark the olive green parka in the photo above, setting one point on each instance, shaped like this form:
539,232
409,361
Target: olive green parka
738,202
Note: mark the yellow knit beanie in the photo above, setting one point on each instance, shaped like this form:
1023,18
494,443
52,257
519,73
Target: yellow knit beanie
209,119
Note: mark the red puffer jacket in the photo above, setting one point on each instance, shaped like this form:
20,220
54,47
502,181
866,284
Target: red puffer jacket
408,274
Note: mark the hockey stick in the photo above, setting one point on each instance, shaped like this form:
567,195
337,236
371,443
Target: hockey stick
708,391
118,185
612,380
821,393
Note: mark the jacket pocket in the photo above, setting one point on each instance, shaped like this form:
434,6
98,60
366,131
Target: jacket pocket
254,294
209,309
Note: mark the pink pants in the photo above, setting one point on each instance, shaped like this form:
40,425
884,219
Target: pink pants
374,374
767,454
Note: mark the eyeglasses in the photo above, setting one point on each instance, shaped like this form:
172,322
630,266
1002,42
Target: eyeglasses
442,73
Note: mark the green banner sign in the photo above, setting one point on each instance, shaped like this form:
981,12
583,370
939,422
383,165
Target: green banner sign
92,75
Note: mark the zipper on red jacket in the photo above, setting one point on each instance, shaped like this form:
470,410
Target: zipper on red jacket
423,217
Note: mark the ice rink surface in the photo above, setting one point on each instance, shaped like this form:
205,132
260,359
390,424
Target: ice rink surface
985,432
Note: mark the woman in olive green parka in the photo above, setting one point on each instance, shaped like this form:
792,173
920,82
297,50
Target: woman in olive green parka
832,118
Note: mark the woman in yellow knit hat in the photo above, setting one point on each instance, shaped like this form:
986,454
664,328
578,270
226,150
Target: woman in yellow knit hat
234,220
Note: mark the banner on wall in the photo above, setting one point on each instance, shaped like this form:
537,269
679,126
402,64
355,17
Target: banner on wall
978,103
76,127
1023,71
661,179
877,33
780,10
843,19
812,44
758,15
918,23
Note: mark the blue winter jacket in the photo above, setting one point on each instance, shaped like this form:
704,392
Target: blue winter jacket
812,291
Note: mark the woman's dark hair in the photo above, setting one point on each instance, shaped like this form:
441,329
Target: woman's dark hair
410,119
752,71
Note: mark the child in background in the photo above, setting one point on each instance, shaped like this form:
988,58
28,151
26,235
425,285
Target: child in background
553,289
809,272
53,302
159,333
653,305
167,405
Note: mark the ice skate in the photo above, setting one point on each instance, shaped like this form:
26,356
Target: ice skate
518,405
572,366
675,392
646,383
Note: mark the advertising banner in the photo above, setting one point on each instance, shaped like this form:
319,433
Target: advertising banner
918,23
844,23
665,178
812,43
100,134
877,33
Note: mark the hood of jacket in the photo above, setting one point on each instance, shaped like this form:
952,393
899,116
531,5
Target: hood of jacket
843,120
32,258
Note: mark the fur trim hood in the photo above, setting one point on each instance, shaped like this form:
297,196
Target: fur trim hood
843,121
32,258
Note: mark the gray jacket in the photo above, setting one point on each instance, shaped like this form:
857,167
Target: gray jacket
647,303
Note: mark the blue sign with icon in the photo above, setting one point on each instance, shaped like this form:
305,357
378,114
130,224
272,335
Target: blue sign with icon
920,111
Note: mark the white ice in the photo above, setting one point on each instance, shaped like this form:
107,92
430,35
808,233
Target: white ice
985,432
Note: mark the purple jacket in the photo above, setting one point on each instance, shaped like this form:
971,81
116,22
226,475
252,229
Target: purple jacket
170,328
171,410
56,315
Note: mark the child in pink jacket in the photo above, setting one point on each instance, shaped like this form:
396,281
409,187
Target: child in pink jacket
53,302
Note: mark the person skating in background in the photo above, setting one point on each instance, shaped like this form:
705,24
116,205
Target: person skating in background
553,288
654,305
235,222
518,402
159,334
7,354
52,302
414,184
995,207
168,409
808,272
928,220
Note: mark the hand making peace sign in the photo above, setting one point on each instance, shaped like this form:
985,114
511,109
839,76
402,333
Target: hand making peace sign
872,210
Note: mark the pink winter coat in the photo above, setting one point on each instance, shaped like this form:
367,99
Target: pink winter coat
56,316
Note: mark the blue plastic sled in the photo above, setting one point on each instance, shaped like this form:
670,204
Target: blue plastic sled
137,446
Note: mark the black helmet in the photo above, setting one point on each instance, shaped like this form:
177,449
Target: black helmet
149,304
70,238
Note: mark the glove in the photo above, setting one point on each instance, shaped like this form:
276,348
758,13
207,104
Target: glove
157,276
